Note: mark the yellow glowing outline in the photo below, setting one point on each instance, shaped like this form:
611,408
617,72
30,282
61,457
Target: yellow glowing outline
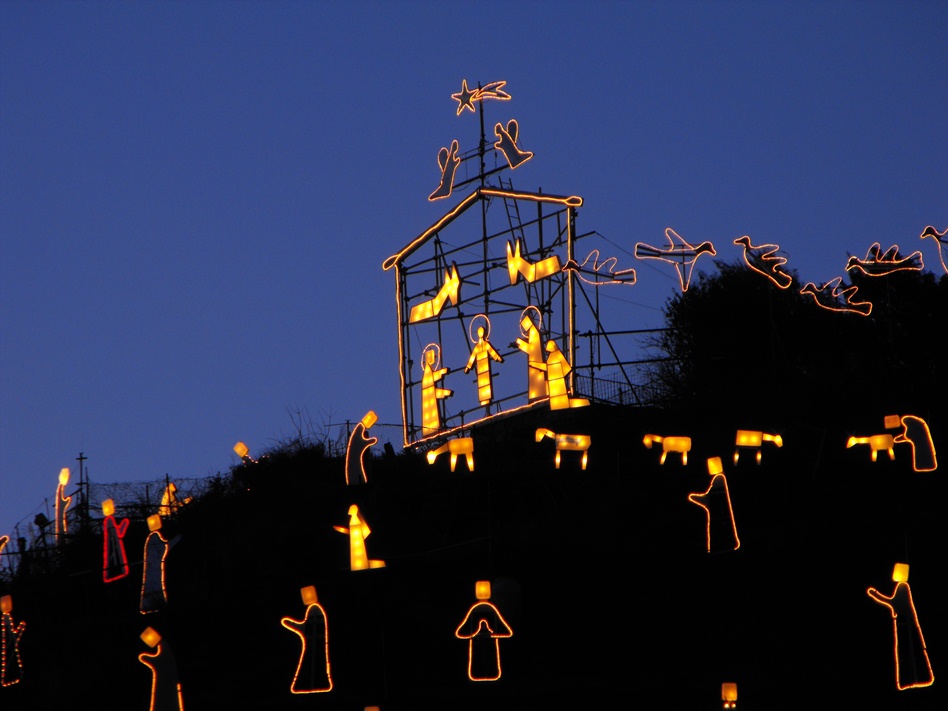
833,298
888,601
448,161
430,393
762,260
877,264
358,530
507,144
921,427
877,443
466,98
753,439
481,356
567,443
153,661
622,276
940,238
62,504
679,253
670,444
530,271
358,445
10,642
450,289
297,627
557,367
503,632
455,447
714,465
146,607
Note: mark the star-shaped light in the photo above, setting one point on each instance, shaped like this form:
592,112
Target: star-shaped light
465,97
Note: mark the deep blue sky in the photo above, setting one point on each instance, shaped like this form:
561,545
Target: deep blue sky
196,198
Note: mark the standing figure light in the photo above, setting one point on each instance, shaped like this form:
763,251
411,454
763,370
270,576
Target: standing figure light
532,345
455,447
557,368
912,667
729,695
753,439
154,595
431,373
567,443
915,433
358,530
62,504
358,445
312,672
716,501
11,665
114,560
170,502
165,688
483,626
481,356
681,445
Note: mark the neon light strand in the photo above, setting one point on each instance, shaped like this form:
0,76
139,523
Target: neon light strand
154,594
166,694
681,445
466,97
481,356
483,627
530,271
432,307
455,447
606,268
11,664
567,443
877,264
915,432
942,239
833,298
762,260
312,675
448,161
679,253
507,144
62,505
721,530
359,444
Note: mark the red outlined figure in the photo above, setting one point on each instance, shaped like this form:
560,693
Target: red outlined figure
681,445
507,144
557,368
312,672
449,290
533,347
154,595
606,268
165,688
912,667
716,502
877,264
466,98
729,695
915,432
481,356
531,271
62,504
483,626
942,239
455,447
763,260
567,443
11,665
358,445
358,530
448,161
832,297
114,560
679,253
431,373
753,439
877,443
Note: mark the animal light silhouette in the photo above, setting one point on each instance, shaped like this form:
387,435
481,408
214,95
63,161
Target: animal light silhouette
762,260
681,254
753,439
603,272
455,447
877,264
681,445
832,297
567,443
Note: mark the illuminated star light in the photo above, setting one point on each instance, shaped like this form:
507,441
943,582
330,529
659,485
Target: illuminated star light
466,98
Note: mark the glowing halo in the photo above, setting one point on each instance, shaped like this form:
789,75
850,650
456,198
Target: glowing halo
437,349
486,330
539,321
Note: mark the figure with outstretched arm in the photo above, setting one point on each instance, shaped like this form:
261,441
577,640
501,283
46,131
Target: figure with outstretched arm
114,560
532,345
312,672
430,392
481,356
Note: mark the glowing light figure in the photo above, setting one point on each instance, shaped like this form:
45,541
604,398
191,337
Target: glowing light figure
312,674
466,97
114,560
606,268
832,297
243,452
557,368
455,447
942,239
358,445
166,694
448,161
483,627
567,443
11,664
154,594
431,308
753,439
481,356
877,443
912,666
530,271
915,432
729,695
431,373
507,144
762,260
62,504
532,345
170,503
681,445
679,253
358,530
877,264
716,502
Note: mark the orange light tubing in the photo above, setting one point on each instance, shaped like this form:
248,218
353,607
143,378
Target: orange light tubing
762,260
114,558
832,296
485,614
11,665
679,253
900,603
314,618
